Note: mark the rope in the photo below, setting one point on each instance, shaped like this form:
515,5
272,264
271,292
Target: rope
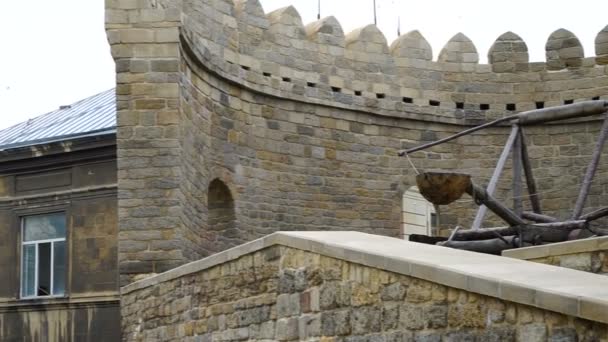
411,163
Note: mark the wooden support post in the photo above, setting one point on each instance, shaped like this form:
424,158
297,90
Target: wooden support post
596,214
551,232
481,213
517,183
595,159
538,217
481,195
531,184
491,246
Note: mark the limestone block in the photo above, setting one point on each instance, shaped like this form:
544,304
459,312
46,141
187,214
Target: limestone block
601,46
459,49
116,17
367,39
326,31
509,53
252,13
137,36
532,332
288,305
563,50
286,22
412,45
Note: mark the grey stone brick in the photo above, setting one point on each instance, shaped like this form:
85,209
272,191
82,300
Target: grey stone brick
564,334
335,322
286,329
411,317
395,291
365,320
532,332
288,305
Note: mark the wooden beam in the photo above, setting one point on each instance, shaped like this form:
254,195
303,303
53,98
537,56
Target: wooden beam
491,246
550,232
538,217
598,231
595,159
481,195
518,206
594,215
530,183
575,110
457,135
536,116
481,212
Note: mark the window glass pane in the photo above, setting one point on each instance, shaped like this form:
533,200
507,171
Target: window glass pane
43,227
44,269
59,264
28,269
434,220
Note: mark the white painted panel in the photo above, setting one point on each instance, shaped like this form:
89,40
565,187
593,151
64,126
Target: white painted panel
414,205
419,220
414,229
416,213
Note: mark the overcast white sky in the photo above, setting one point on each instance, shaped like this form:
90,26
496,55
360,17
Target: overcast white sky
55,52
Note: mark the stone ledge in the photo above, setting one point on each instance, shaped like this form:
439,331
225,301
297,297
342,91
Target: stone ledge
566,291
561,248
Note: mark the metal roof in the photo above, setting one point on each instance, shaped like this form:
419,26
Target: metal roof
94,115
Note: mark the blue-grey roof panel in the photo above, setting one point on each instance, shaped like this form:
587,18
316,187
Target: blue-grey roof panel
93,115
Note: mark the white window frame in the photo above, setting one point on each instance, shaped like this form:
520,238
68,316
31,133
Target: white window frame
37,243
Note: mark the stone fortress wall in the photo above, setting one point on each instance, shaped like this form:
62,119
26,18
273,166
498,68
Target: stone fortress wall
234,123
348,286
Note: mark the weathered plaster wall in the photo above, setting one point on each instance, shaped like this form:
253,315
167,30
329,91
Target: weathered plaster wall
589,255
303,123
86,191
45,322
297,288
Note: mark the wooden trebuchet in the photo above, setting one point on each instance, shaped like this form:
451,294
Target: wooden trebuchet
438,188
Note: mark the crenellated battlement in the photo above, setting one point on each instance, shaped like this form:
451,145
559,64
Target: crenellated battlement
277,54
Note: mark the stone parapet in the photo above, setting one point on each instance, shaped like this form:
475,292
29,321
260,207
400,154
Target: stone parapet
589,255
345,285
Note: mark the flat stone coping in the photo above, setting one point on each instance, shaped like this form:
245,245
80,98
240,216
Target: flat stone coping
552,288
561,248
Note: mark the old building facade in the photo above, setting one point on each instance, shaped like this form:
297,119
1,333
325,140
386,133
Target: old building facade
58,222
234,123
